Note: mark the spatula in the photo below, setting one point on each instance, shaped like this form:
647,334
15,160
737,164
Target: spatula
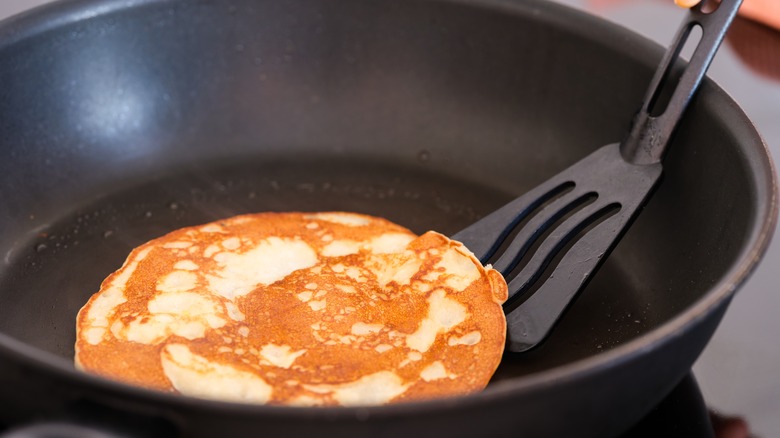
549,242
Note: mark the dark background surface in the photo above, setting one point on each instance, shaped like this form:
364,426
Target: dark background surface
737,373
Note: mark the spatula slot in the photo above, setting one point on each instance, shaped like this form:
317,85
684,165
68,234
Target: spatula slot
489,237
689,39
553,256
527,240
523,228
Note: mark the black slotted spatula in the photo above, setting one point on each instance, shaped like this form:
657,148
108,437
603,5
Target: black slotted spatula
548,242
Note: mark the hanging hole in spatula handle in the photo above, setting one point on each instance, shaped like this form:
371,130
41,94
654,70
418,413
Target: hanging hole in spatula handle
709,6
670,91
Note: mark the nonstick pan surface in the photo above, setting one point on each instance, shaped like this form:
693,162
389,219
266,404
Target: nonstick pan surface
123,120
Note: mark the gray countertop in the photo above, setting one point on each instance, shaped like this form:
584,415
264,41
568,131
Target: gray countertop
739,372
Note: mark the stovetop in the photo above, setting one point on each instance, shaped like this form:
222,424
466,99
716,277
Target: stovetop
737,374
682,413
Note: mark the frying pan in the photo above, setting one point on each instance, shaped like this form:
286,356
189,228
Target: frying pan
121,120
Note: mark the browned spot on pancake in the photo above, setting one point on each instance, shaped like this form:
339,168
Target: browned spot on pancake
298,309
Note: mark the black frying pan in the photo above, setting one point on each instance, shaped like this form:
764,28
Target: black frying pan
121,120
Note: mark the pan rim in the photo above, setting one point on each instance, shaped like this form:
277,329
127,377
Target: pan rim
59,13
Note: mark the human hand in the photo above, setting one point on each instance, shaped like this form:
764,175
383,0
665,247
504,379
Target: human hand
729,427
764,11
686,3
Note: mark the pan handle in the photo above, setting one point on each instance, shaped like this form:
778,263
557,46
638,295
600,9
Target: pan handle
657,119
98,428
60,430
94,420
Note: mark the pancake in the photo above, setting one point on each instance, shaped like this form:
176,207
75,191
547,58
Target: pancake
303,309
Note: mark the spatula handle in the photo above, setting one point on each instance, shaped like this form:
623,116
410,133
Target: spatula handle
655,124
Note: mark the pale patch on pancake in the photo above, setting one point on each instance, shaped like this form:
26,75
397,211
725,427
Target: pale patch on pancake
373,389
317,305
306,400
178,281
398,271
232,243
211,250
298,309
459,269
211,228
339,248
280,355
381,348
390,243
177,245
234,312
423,338
196,376
271,261
305,296
186,265
184,314
435,371
446,312
423,286
105,304
443,314
349,219
412,356
355,274
346,288
470,338
363,329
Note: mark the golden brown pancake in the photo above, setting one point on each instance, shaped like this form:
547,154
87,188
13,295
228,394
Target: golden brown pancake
298,309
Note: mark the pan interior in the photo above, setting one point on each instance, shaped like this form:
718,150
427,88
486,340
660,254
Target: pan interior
61,265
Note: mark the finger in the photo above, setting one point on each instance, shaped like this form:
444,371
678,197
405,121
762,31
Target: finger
686,3
764,11
729,427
